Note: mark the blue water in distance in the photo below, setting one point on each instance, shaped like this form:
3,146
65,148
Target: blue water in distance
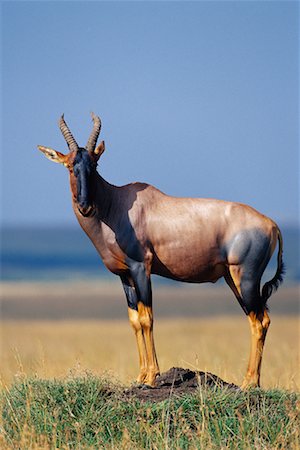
61,253
48,253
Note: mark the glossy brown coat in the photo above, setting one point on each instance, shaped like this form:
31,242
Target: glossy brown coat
138,230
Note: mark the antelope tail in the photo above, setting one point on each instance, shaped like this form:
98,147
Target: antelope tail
272,285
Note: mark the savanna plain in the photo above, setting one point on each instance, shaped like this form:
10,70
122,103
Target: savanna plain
68,354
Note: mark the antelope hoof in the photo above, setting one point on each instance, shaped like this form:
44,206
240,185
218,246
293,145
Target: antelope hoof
249,384
150,379
142,377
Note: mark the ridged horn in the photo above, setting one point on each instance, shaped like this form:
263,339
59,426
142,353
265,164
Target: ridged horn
91,144
72,144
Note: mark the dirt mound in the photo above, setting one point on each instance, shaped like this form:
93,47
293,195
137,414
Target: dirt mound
178,381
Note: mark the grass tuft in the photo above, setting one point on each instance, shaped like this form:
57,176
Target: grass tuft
92,412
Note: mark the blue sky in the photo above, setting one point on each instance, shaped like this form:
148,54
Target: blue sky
197,98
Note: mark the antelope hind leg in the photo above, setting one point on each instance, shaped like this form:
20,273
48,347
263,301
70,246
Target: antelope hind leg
247,293
259,324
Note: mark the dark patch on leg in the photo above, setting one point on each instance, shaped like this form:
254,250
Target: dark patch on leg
249,247
250,295
130,293
141,281
251,251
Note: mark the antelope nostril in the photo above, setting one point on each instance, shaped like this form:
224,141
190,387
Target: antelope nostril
84,204
86,210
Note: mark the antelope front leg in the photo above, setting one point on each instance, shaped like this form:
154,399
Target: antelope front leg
133,315
137,287
140,273
146,320
259,324
136,325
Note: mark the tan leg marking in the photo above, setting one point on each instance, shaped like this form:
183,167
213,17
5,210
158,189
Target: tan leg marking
135,323
146,321
259,324
235,281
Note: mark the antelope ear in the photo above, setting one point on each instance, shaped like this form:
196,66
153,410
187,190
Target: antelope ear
100,149
53,155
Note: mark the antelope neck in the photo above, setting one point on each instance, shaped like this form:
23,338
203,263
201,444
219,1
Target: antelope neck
104,197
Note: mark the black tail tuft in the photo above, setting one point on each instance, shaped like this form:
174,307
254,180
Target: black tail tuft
272,285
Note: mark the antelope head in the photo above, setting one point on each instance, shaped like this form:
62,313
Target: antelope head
81,163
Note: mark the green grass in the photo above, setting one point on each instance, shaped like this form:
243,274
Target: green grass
91,412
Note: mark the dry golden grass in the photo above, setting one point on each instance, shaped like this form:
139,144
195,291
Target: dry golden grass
52,329
218,344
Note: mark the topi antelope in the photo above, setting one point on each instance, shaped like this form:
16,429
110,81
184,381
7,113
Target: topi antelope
138,230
